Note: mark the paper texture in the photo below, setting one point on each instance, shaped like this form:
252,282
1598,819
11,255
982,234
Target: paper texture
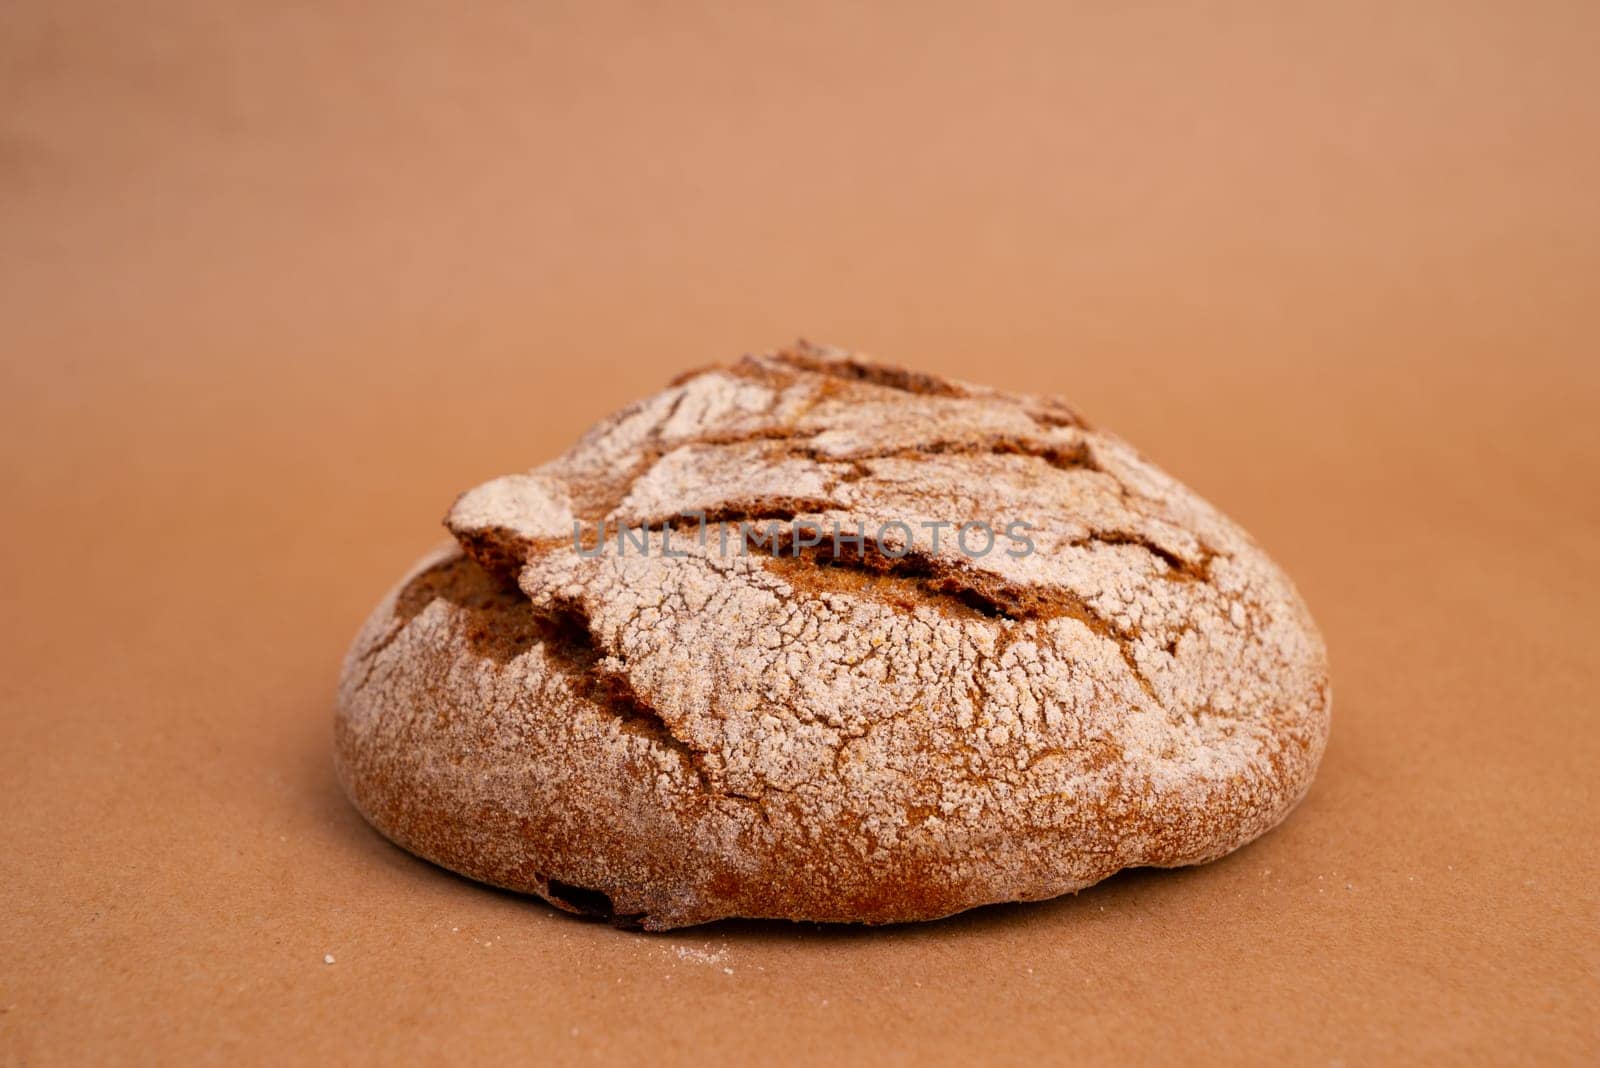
277,283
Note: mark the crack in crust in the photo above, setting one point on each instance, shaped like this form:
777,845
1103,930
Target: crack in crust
600,498
918,577
501,624
852,369
921,578
1178,568
1071,457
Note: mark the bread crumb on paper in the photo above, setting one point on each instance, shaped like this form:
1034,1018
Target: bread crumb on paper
701,956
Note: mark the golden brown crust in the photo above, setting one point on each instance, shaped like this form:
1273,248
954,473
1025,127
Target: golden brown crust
832,732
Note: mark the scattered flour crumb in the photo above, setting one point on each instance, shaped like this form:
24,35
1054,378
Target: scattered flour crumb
327,958
701,956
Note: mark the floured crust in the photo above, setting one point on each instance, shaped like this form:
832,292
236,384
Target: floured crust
856,735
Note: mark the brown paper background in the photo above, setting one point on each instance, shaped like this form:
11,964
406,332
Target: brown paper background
277,281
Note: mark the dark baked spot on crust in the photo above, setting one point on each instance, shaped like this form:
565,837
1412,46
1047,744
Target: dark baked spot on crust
586,902
581,899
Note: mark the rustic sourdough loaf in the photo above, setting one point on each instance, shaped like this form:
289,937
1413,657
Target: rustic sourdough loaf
736,714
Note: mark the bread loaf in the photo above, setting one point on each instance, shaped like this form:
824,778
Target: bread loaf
713,705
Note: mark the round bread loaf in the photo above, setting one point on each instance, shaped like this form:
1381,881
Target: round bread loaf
784,679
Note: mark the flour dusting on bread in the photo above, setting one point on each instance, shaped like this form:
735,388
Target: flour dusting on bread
612,696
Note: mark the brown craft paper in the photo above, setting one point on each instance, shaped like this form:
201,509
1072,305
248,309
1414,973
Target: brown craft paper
278,281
